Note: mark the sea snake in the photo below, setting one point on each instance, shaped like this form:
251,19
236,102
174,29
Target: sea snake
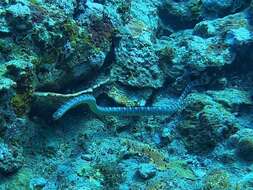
130,111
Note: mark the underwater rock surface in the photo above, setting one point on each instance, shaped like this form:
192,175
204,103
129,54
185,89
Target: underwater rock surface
171,94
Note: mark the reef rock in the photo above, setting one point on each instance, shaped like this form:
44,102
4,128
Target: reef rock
206,123
11,159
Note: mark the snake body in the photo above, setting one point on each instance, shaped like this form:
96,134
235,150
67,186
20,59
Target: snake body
131,111
91,101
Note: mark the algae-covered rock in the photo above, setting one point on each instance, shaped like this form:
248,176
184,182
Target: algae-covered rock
245,148
242,141
239,37
146,171
37,183
11,159
231,98
21,71
245,182
4,28
59,49
158,159
128,97
18,66
138,68
67,5
217,8
77,174
99,24
19,10
19,16
217,180
182,14
185,50
6,84
206,123
221,26
111,174
136,63
21,181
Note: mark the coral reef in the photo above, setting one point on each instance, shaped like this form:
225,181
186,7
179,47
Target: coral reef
168,84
